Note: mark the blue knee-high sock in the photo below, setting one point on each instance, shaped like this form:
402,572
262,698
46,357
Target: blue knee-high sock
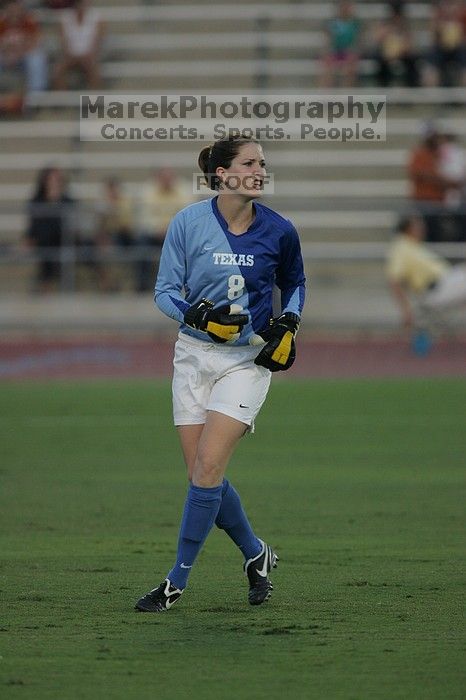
199,515
232,518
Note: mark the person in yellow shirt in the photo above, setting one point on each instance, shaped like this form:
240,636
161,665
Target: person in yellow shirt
115,232
414,270
116,215
395,54
162,197
446,59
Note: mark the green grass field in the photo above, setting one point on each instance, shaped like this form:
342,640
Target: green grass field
357,484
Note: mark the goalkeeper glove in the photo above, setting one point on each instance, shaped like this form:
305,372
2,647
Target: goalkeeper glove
222,324
279,352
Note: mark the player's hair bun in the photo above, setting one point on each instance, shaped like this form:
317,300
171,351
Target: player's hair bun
203,162
219,155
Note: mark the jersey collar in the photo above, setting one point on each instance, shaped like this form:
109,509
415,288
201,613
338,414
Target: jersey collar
253,227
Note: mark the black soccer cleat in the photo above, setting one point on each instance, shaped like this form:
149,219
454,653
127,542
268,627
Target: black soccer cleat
257,570
159,599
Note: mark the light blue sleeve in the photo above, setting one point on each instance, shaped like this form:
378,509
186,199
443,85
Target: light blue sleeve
169,286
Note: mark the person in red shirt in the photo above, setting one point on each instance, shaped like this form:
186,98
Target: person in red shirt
20,45
428,185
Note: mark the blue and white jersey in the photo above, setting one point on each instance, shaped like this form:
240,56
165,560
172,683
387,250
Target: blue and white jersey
201,258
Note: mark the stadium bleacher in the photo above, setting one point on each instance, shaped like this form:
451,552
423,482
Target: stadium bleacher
348,193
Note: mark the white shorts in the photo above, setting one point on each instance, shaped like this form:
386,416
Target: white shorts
450,290
215,377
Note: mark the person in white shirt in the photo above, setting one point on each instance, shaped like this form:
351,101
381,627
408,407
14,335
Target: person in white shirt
453,169
81,37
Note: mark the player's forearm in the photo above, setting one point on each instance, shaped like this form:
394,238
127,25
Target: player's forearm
172,304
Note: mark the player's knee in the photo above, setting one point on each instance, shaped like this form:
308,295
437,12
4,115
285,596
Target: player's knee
207,471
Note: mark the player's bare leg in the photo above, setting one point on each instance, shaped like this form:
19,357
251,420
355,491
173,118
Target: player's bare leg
189,437
217,442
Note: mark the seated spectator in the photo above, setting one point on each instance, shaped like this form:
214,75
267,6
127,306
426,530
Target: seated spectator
413,269
20,47
50,213
341,57
394,52
428,185
115,223
54,224
447,57
162,197
116,216
81,39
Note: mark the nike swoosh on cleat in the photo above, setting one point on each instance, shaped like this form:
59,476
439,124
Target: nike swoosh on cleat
263,571
183,566
241,406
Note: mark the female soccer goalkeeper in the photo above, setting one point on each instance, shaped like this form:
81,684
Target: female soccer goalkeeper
219,263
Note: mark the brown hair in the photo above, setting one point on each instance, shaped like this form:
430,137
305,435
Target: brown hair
219,155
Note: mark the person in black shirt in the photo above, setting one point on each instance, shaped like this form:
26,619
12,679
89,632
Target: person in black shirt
49,213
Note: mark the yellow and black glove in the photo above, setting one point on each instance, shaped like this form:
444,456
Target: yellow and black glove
279,352
222,324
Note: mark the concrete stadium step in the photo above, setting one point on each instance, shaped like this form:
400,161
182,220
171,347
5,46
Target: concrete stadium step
202,69
209,42
295,160
273,149
12,147
29,135
393,186
293,182
401,101
316,236
307,42
175,84
243,10
300,190
199,52
364,226
337,303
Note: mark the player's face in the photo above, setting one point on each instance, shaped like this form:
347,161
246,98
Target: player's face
246,174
